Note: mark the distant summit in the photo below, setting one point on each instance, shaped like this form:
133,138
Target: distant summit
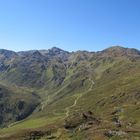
53,51
7,54
114,51
120,51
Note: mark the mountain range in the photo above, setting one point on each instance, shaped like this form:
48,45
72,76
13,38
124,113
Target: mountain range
60,95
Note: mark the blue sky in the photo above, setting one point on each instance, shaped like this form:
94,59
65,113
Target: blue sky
69,24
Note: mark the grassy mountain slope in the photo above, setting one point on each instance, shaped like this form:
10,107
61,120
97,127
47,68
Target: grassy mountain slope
15,105
76,96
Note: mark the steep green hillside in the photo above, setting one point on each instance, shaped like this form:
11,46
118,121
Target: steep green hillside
54,94
16,105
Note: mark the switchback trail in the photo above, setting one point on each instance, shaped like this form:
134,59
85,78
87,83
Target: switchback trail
77,98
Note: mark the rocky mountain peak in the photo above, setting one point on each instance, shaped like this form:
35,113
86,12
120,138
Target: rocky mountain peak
6,53
56,51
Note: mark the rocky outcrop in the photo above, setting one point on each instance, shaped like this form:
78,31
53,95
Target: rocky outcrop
81,121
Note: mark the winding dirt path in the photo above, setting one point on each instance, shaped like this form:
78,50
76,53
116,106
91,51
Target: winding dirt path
44,103
75,102
77,98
